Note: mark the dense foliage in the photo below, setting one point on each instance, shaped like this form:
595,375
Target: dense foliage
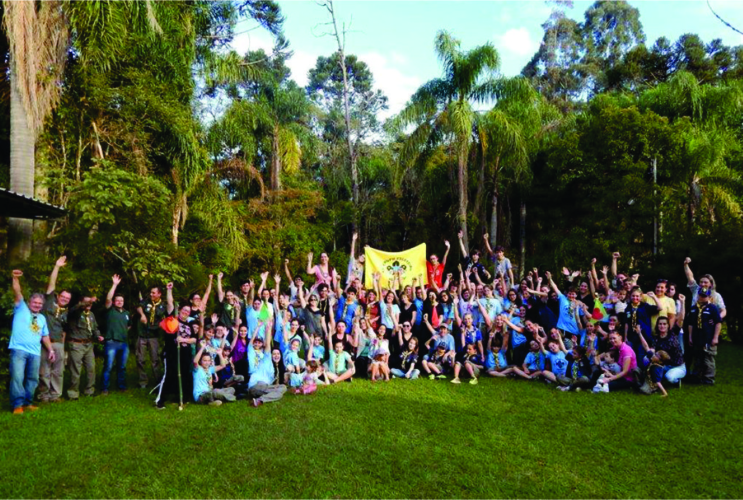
602,137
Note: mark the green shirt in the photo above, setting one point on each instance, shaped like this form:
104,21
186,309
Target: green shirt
56,317
117,324
83,326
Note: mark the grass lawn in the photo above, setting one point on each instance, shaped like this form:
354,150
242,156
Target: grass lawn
501,438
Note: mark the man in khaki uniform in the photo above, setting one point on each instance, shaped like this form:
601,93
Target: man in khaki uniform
151,313
51,373
83,332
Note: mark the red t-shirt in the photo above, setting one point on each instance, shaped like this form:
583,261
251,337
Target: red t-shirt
436,274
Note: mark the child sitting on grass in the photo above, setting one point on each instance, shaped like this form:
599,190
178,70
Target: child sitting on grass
204,375
654,374
293,363
438,364
339,366
496,363
316,350
227,376
532,367
380,353
408,359
556,354
609,366
578,372
472,363
310,378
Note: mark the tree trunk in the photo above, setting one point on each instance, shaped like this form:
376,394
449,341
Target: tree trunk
176,223
480,194
275,161
22,168
494,214
522,238
462,185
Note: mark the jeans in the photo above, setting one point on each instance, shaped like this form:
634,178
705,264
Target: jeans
120,352
24,377
401,374
675,373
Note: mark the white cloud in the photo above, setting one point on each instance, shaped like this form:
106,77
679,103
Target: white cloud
252,40
396,85
518,41
300,64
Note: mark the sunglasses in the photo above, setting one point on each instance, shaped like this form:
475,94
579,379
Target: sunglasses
406,325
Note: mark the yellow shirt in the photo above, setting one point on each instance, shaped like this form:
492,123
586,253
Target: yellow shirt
668,307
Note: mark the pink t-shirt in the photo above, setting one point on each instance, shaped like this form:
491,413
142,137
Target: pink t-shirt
625,351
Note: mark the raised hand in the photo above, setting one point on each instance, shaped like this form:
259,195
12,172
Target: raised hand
61,262
220,275
615,255
277,278
593,261
169,286
211,277
286,262
682,297
566,271
355,236
309,256
460,234
486,236
17,273
116,279
548,275
446,243
264,275
687,261
215,318
604,269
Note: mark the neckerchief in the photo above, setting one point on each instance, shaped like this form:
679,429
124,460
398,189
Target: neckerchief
336,364
633,322
575,369
699,317
86,315
58,310
275,373
155,305
34,324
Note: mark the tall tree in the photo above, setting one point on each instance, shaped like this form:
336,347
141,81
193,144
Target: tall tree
441,109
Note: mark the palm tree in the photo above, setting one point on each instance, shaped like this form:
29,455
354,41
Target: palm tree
39,35
441,109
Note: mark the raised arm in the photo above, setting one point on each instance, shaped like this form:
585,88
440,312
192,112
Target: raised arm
309,264
461,244
446,253
300,294
197,358
205,298
614,258
220,292
264,277
287,272
110,296
687,271
277,281
428,325
486,237
61,262
17,285
169,297
552,283
681,316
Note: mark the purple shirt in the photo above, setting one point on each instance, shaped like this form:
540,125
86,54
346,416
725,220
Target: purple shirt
239,351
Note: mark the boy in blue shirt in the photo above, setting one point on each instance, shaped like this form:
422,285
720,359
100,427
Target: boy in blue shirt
533,363
496,362
472,363
556,355
204,377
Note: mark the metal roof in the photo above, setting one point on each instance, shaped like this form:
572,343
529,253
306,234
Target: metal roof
21,206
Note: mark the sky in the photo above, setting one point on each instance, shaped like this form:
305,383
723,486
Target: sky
395,38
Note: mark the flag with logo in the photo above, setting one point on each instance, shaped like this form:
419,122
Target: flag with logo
408,264
599,314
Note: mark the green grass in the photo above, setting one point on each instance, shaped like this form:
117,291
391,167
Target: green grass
501,438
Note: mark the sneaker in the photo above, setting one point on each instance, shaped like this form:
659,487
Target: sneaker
18,411
473,381
432,376
605,388
442,376
257,402
394,376
456,381
216,402
597,388
31,408
578,389
563,388
104,393
160,406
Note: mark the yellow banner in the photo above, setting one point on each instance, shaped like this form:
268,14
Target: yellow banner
409,264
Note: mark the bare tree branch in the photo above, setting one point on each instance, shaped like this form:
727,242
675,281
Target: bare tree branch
722,20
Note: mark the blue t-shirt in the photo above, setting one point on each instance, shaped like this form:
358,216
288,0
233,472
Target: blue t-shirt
260,367
419,309
517,338
559,363
532,361
472,336
28,328
492,306
251,317
318,352
492,363
350,310
447,342
292,358
387,319
201,381
567,321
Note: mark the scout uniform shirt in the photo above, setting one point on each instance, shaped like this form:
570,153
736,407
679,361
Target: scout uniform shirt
117,324
154,312
83,327
56,317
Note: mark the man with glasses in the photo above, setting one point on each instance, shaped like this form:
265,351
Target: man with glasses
29,331
667,306
51,374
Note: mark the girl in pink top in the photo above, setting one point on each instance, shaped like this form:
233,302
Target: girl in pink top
323,272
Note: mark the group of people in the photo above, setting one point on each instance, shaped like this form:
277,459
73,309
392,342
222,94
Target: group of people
599,332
